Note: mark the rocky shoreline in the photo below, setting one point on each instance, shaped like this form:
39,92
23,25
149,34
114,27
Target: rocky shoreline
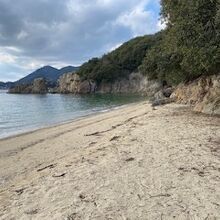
39,86
203,94
136,83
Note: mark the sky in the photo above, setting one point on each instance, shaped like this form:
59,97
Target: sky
35,33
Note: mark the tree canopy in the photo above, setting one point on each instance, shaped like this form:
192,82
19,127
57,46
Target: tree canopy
190,46
186,49
120,62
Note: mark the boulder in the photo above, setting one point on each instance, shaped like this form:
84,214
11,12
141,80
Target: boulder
158,95
164,101
167,92
162,94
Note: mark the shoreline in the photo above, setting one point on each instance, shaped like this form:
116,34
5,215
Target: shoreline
129,163
30,131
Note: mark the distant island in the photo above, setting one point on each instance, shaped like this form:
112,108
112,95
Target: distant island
6,85
48,73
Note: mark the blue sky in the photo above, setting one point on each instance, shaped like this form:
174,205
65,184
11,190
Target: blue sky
68,32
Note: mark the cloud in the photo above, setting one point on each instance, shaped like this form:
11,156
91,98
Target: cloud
42,32
140,22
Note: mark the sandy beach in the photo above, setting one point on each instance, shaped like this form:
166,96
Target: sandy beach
133,163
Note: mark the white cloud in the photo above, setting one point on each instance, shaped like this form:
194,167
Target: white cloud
6,58
47,32
139,21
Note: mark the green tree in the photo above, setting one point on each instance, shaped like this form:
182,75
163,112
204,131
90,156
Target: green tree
190,45
119,63
192,32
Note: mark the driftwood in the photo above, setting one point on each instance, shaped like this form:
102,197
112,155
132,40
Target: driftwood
129,159
59,175
114,138
20,191
47,167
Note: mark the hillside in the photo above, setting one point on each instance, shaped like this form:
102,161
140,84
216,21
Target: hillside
115,72
119,63
187,49
50,74
186,53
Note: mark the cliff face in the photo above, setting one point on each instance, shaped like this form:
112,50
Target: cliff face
137,83
203,94
71,83
39,86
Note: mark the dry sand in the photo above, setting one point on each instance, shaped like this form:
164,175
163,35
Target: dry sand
127,164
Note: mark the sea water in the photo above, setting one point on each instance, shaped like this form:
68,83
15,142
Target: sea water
22,113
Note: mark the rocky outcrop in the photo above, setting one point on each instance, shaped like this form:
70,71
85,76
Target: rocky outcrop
39,86
162,97
136,83
203,94
164,101
71,83
164,93
20,89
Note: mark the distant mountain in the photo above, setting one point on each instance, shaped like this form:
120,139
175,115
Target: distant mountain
49,73
6,85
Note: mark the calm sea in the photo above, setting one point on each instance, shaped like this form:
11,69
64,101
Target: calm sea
21,113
